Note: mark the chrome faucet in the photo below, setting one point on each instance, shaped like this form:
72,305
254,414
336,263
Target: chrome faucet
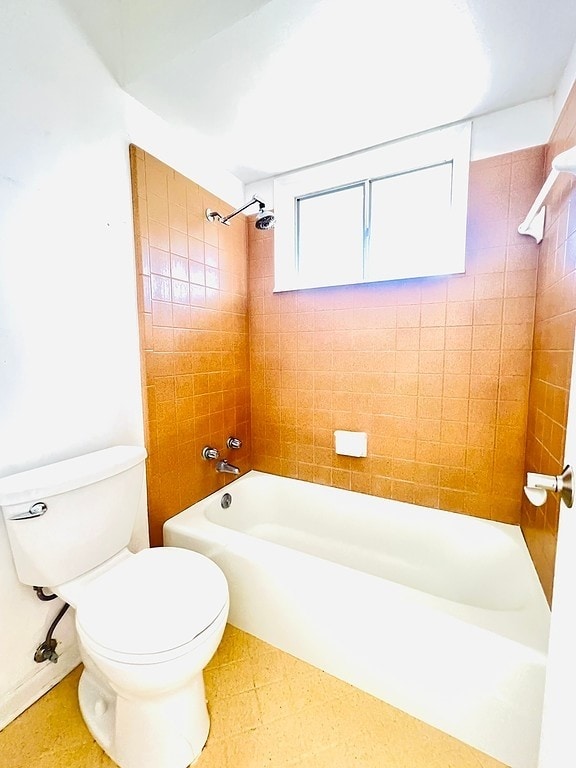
224,466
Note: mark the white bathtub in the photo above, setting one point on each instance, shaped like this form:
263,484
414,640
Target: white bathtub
439,614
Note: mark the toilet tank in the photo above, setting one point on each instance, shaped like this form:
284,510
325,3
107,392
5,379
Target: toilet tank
66,518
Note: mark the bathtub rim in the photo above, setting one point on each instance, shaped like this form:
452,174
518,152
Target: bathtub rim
535,614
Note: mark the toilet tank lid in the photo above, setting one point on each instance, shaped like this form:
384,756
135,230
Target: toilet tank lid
63,476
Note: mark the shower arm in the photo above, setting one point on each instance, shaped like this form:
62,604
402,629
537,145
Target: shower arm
215,216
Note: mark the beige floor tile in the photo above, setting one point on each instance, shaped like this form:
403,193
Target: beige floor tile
215,755
232,648
268,710
229,679
233,715
269,668
251,750
273,702
328,758
51,733
237,646
306,687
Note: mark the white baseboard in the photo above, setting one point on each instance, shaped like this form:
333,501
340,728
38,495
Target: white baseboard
47,676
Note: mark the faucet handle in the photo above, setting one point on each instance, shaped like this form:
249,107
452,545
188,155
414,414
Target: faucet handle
234,442
210,453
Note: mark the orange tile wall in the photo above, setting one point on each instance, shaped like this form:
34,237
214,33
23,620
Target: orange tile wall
435,370
192,279
553,348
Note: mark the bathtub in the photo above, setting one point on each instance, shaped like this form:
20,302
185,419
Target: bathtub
438,614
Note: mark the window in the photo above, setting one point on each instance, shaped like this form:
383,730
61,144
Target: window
322,246
398,211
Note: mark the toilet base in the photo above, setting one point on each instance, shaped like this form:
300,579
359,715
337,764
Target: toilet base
166,731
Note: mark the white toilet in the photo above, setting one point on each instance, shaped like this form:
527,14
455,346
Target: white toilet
147,623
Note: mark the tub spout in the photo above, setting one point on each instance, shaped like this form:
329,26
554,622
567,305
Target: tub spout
224,466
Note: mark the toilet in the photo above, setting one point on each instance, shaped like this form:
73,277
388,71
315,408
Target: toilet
147,622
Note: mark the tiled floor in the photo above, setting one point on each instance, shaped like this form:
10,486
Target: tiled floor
268,710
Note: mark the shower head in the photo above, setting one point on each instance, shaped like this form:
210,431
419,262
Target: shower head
264,219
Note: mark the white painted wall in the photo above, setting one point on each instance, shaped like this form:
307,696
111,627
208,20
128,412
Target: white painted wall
69,354
508,130
69,366
526,125
182,149
565,84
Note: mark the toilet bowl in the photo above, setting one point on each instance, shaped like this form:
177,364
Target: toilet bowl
147,622
147,626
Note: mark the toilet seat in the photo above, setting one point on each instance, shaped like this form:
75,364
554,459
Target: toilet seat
156,605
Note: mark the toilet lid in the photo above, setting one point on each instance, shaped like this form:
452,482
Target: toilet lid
156,601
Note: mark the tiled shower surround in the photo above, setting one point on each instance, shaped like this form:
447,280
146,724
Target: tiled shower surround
435,370
192,281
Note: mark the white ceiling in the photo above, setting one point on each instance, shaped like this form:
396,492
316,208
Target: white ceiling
272,85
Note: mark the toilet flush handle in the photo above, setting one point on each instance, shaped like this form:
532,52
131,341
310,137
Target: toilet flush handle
36,510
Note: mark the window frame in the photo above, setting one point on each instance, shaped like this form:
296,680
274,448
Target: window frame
445,145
